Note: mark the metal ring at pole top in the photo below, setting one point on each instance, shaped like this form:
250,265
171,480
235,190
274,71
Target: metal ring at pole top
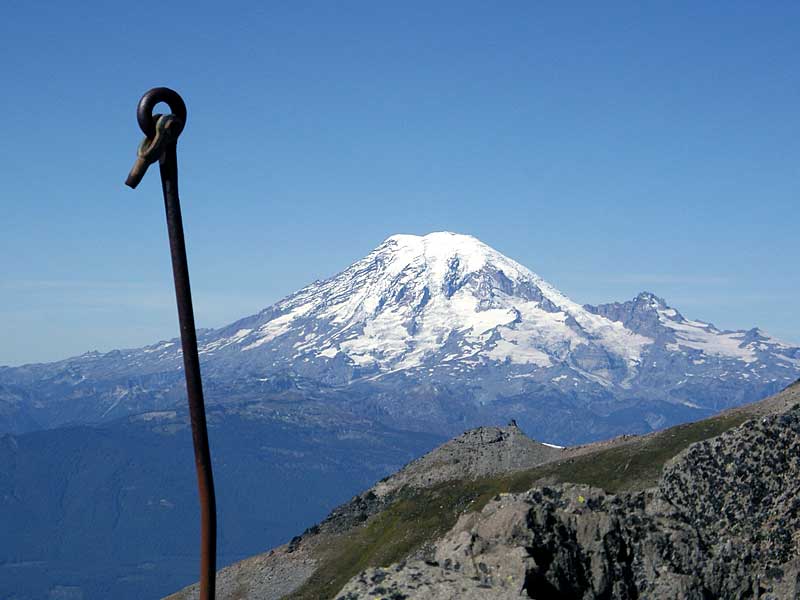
144,112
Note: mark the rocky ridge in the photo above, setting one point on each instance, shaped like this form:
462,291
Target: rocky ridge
476,453
724,522
633,512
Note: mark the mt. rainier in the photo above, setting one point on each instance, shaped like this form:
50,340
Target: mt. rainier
437,333
438,301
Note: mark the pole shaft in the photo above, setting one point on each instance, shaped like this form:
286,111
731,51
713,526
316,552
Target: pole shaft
191,364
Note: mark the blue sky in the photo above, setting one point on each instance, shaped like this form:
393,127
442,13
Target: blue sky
611,147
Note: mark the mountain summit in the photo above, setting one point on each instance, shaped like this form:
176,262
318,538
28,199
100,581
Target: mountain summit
441,301
437,333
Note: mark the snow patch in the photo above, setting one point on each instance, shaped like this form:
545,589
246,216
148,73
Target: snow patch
710,341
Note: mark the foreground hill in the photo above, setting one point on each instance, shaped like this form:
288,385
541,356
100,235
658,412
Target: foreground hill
723,522
747,466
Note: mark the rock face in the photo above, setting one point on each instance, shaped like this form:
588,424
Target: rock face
475,453
724,522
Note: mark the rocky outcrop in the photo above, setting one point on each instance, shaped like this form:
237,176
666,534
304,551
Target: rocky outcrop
742,490
476,453
479,452
724,522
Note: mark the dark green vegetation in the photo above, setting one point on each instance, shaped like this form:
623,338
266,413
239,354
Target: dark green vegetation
421,516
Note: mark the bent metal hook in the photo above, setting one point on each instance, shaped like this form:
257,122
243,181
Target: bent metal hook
160,144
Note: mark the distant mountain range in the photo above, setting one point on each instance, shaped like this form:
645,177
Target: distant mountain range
434,333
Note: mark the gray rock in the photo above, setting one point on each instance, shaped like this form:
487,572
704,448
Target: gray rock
479,452
724,522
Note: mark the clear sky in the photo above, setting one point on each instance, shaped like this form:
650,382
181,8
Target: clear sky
610,147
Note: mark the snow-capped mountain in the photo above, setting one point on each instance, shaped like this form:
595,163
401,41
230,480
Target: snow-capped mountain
439,301
447,304
441,331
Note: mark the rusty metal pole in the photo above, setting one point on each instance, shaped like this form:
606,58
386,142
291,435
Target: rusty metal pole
160,144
